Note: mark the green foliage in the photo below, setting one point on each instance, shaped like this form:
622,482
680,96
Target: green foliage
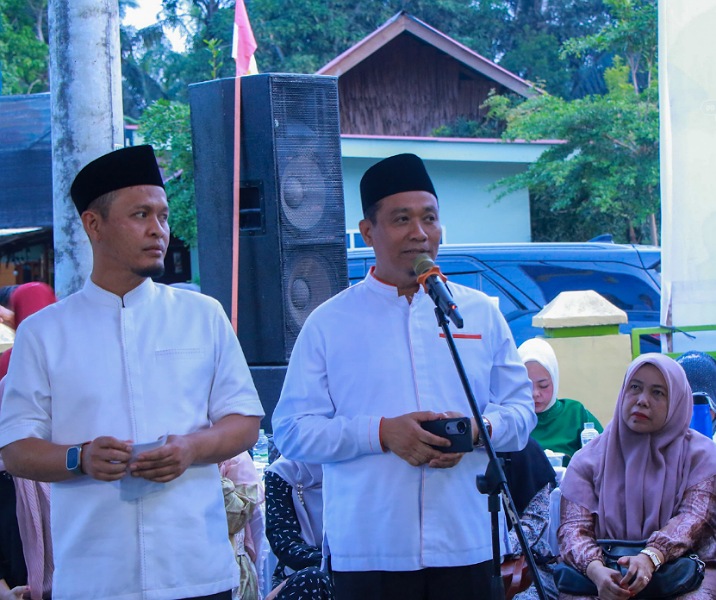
152,70
604,174
146,55
632,35
523,35
166,125
24,53
215,63
491,125
536,57
208,54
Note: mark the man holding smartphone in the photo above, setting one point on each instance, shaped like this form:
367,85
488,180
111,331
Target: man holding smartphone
126,395
403,519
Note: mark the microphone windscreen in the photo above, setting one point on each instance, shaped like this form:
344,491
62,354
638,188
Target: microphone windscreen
422,264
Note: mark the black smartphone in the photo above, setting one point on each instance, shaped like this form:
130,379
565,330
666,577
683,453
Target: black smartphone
457,429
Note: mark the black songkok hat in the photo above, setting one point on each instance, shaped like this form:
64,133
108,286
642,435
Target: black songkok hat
392,175
134,165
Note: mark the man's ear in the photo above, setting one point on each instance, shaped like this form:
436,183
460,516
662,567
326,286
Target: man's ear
91,221
366,231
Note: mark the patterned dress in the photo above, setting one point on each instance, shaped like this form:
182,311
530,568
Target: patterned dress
535,522
692,530
298,563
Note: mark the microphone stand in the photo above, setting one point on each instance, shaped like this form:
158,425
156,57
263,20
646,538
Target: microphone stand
493,482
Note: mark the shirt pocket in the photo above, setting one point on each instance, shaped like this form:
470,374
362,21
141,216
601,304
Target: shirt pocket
184,376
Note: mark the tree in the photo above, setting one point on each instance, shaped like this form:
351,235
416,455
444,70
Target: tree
209,52
523,35
605,172
24,52
166,126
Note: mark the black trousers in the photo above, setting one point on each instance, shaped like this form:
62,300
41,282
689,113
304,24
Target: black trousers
434,583
220,596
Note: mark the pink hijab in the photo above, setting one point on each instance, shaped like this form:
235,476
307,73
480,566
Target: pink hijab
26,300
639,477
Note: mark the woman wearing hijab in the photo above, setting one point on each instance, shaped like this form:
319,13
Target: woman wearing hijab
294,528
25,300
560,421
647,477
25,504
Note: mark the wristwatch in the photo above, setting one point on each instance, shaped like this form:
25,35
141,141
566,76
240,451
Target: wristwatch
653,556
73,460
488,426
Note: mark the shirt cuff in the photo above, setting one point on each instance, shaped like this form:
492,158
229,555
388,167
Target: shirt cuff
373,445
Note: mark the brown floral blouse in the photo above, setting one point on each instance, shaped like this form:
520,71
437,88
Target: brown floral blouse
692,529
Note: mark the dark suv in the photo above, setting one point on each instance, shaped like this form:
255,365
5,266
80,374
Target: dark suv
527,276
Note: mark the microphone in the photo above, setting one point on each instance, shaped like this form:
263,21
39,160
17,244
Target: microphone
430,277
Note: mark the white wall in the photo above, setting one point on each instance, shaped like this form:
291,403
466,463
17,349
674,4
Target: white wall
462,173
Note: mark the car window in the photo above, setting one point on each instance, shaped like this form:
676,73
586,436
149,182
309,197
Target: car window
623,285
470,272
358,269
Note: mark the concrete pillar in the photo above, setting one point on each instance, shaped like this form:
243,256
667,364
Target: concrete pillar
583,329
86,92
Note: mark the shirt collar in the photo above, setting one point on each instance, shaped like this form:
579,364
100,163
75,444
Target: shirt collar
139,294
386,289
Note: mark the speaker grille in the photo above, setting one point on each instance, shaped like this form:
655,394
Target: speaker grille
310,277
303,194
312,213
292,243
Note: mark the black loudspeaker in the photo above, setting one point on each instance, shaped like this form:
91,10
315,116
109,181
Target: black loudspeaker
292,249
268,381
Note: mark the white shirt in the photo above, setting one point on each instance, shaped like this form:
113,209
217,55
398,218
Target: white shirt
368,353
158,361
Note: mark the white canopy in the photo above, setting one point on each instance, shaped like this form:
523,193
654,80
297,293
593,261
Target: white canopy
687,87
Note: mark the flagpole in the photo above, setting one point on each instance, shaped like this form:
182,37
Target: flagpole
242,50
237,207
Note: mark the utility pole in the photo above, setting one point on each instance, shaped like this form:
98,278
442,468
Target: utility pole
87,119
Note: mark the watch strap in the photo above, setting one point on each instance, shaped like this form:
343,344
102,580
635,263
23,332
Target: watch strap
653,556
488,426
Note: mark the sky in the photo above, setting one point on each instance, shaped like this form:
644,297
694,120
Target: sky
145,15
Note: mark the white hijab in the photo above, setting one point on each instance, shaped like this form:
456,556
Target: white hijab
539,351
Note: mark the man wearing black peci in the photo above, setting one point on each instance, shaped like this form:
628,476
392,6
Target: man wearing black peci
403,520
126,395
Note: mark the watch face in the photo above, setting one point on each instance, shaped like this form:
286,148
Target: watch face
72,461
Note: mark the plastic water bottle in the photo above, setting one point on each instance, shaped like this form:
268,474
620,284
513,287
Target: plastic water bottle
588,433
260,452
701,417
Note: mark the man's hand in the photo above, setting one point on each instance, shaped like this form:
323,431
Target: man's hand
446,460
607,581
166,462
106,458
405,437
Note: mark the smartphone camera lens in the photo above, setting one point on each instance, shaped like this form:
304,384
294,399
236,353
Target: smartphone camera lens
461,427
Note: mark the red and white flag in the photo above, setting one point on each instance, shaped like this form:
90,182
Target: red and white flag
244,44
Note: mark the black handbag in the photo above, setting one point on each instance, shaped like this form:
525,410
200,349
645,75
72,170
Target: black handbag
673,579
